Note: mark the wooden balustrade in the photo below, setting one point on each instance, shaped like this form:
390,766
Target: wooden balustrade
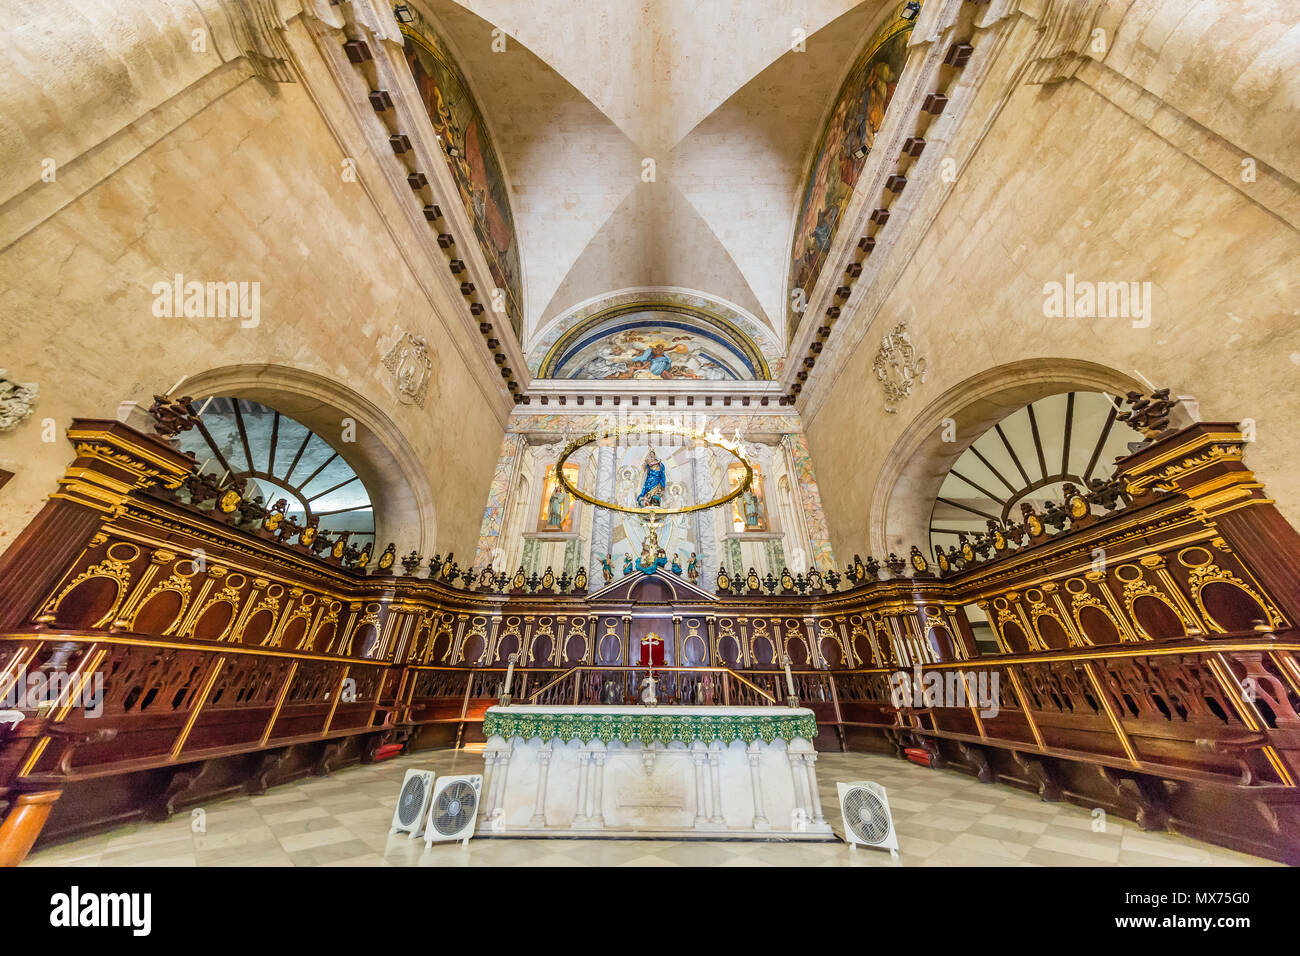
1145,659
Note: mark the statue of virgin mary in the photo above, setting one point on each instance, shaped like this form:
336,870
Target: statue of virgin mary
654,485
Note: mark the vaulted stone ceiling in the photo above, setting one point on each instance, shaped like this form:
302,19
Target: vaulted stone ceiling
713,93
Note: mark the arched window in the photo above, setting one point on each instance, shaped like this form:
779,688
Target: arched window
280,458
1028,456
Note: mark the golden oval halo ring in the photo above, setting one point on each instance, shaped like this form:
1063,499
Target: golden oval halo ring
715,439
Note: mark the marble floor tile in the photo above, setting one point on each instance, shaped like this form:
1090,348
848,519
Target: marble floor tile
1005,849
316,838
306,811
1107,851
941,818
329,853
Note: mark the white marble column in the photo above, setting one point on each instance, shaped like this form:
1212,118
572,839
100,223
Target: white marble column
602,524
496,816
800,778
715,759
755,756
705,544
580,812
596,818
543,770
489,778
809,762
698,757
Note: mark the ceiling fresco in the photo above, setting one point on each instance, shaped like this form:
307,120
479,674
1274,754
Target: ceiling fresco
472,157
842,151
655,340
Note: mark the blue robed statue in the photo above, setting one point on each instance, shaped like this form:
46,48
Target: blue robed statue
654,485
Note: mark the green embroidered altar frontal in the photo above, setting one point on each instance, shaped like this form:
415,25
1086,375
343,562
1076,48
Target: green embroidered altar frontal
650,727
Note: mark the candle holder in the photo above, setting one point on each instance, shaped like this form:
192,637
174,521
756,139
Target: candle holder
504,699
791,699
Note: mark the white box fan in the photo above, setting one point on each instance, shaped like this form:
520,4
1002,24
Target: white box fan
454,809
413,803
867,820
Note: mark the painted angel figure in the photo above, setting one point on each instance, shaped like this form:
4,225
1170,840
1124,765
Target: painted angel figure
607,567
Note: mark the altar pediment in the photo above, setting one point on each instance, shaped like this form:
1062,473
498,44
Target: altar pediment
657,587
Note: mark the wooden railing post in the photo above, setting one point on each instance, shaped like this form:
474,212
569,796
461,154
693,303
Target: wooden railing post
199,702
24,824
279,702
464,707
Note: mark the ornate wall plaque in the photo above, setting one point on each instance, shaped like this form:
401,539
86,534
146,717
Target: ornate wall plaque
16,400
410,364
897,366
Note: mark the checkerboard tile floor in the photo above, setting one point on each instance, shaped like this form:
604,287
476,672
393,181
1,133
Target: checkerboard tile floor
943,818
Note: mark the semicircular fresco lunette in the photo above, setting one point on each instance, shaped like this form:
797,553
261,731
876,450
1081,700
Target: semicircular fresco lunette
655,340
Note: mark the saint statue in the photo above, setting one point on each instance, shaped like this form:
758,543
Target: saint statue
654,485
749,501
555,507
677,564
627,564
652,556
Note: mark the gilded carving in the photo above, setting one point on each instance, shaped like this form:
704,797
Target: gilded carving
1220,451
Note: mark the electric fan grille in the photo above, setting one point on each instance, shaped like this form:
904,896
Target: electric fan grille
454,806
867,814
411,802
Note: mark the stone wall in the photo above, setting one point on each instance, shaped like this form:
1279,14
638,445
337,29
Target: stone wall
1132,170
169,161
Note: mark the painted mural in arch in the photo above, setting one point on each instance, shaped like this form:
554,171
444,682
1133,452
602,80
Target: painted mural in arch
842,150
738,343
655,341
471,156
647,350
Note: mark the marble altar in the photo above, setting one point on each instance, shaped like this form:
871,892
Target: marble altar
635,771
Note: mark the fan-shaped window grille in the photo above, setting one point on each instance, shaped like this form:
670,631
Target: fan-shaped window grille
280,458
1028,456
